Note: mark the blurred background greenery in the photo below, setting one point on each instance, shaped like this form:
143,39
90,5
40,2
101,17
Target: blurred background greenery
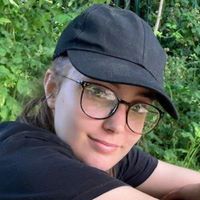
28,33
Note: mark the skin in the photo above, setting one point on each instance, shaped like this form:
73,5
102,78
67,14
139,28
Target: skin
167,177
98,143
87,138
187,192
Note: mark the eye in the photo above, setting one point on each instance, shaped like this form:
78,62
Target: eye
100,92
95,90
140,108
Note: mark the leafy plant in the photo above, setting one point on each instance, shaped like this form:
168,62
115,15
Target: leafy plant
28,33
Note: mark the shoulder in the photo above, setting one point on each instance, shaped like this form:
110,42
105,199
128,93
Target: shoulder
41,166
136,167
12,128
16,137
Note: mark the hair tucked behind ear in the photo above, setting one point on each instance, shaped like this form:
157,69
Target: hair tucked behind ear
36,112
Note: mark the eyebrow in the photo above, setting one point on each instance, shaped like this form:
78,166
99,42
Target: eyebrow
148,94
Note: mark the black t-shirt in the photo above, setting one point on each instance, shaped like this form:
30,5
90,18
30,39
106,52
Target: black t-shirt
36,164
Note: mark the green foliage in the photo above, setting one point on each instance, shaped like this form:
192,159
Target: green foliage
28,33
179,141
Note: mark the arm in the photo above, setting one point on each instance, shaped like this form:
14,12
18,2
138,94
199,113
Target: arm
187,192
124,192
167,177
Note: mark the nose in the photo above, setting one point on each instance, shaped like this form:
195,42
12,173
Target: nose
117,122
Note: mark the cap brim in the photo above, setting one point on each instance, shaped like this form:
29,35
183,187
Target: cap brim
115,70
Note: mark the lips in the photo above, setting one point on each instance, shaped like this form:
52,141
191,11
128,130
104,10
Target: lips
102,146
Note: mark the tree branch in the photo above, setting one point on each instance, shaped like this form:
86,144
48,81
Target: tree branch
159,16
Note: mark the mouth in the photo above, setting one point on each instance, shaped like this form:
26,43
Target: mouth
102,146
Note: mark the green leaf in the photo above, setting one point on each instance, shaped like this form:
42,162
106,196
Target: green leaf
4,112
71,2
13,3
197,50
4,21
62,18
17,59
23,87
4,94
4,72
13,106
2,52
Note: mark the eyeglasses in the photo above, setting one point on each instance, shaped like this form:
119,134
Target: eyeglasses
100,102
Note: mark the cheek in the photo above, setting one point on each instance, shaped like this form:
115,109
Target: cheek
71,124
66,111
131,140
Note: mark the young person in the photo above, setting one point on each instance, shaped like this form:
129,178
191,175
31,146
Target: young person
101,95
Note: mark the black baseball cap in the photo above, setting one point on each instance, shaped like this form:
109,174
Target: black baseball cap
115,45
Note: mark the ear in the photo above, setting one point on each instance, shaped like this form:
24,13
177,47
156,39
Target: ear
50,88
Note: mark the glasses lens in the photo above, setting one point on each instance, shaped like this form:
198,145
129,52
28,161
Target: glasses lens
142,118
98,101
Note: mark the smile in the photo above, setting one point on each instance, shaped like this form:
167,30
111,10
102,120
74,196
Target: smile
102,146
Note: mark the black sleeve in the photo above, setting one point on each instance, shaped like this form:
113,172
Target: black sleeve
136,167
37,167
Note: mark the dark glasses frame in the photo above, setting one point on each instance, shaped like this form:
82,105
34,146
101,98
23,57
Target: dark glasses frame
119,101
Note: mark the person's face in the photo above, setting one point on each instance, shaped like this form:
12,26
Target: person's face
97,143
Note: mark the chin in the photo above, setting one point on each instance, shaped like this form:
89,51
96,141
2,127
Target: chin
103,165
